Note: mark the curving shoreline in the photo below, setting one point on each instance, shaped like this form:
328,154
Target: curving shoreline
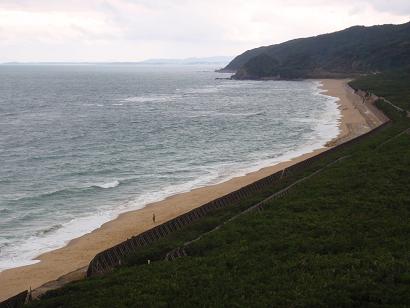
357,118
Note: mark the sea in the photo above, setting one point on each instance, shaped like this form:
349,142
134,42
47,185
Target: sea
80,144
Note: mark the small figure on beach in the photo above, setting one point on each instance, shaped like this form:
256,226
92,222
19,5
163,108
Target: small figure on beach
153,217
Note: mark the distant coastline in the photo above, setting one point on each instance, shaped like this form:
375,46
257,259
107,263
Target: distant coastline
217,61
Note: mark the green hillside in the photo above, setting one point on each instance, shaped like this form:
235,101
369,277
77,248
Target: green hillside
393,85
339,239
353,51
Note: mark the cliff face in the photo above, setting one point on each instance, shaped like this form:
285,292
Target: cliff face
353,51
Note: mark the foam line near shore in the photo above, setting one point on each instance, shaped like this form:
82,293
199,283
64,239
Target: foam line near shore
80,251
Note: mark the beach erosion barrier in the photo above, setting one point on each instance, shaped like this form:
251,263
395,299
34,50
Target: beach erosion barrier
113,257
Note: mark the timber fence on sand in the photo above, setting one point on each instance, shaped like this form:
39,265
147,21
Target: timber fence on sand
107,260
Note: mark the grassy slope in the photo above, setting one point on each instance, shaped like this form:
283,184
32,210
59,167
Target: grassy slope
394,86
341,238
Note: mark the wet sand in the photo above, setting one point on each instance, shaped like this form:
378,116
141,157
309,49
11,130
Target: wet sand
70,262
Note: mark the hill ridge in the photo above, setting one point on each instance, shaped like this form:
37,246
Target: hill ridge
353,51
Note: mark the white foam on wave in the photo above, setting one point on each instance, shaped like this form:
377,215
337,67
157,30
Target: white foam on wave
200,90
183,92
160,98
24,252
328,124
108,185
43,194
241,114
234,84
225,114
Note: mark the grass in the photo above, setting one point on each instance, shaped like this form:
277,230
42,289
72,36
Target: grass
338,239
394,86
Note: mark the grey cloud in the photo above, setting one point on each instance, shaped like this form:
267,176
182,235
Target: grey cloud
399,7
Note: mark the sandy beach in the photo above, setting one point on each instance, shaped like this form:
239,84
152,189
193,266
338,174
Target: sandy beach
358,117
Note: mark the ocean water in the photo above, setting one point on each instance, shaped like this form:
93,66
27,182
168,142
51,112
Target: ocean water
80,144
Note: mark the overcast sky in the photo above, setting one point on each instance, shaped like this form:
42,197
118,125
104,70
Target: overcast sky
132,30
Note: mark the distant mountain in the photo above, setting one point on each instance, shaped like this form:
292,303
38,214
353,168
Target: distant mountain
353,51
189,61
